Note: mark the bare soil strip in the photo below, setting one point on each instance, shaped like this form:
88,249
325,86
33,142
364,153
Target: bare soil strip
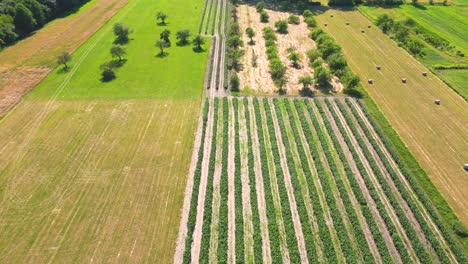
289,188
370,201
259,186
247,210
421,207
180,244
375,182
231,201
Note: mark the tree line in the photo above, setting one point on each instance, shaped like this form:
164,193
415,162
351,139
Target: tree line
18,18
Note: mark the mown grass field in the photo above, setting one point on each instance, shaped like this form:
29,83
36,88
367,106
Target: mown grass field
434,134
305,181
94,172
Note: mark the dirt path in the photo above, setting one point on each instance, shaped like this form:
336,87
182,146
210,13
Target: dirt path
289,188
259,185
395,167
202,191
382,196
180,244
247,210
231,201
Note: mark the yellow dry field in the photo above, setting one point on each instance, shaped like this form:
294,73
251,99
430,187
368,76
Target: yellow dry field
436,135
94,181
25,64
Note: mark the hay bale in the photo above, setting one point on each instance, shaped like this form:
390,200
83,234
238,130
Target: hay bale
378,67
331,15
325,24
370,81
362,30
347,23
369,26
437,101
465,166
403,80
424,73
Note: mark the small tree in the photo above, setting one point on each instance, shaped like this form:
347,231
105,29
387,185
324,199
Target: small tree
165,35
250,33
121,31
182,36
322,77
293,19
307,13
313,55
294,57
64,58
260,6
198,42
306,81
264,17
118,51
162,44
161,16
107,73
281,26
311,22
235,83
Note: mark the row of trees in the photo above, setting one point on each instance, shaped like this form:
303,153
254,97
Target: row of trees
18,18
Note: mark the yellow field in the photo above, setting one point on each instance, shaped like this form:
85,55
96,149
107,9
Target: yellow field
436,135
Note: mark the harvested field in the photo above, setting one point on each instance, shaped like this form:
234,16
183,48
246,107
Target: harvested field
257,79
436,135
333,187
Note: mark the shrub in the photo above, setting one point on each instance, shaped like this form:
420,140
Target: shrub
307,14
281,26
264,17
108,74
293,19
336,62
235,82
313,55
311,22
260,6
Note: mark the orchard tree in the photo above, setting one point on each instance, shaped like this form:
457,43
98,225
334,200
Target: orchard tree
260,6
306,81
294,57
264,17
162,44
121,32
250,33
182,36
64,58
281,26
161,16
235,83
198,42
118,51
165,35
322,77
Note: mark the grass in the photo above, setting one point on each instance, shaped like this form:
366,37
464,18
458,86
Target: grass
409,109
456,79
96,171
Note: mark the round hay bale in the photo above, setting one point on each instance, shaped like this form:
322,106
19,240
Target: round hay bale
331,15
378,67
465,166
424,73
370,81
369,26
362,30
437,101
325,24
347,23
403,80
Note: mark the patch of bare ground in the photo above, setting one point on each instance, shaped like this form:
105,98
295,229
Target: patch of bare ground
255,75
259,186
382,196
289,188
231,201
247,210
403,203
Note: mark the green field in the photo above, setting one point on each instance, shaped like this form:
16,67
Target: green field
96,172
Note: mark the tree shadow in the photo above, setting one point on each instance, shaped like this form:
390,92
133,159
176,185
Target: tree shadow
252,42
121,41
162,54
198,49
162,24
353,93
182,43
117,63
306,92
64,70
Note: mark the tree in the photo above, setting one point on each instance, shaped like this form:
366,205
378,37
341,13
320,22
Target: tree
108,73
24,20
293,19
336,62
260,6
7,33
118,51
322,77
264,17
235,83
250,33
121,32
313,55
64,58
235,42
161,16
165,35
307,13
281,26
198,42
294,57
162,44
182,36
277,69
311,22
306,81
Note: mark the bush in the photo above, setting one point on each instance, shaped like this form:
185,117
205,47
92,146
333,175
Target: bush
336,62
293,19
311,22
108,74
322,77
277,68
264,17
307,14
313,55
260,6
281,26
314,34
235,82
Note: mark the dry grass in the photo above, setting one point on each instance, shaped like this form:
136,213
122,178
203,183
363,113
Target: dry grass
436,135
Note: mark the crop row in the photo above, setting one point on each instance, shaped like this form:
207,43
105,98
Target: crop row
455,247
209,16
273,231
428,231
196,187
366,212
257,238
203,17
324,232
208,212
224,189
397,240
216,15
286,208
300,200
348,206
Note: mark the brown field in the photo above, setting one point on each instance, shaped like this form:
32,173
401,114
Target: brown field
26,63
436,135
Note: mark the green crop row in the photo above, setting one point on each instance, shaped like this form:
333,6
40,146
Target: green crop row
208,213
455,247
324,232
368,217
270,209
224,190
257,238
291,239
196,187
300,201
397,240
209,16
418,246
352,215
203,17
428,231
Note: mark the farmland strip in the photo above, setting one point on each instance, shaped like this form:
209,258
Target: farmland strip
236,181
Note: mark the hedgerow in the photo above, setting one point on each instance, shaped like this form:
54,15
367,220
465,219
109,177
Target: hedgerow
257,238
196,188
